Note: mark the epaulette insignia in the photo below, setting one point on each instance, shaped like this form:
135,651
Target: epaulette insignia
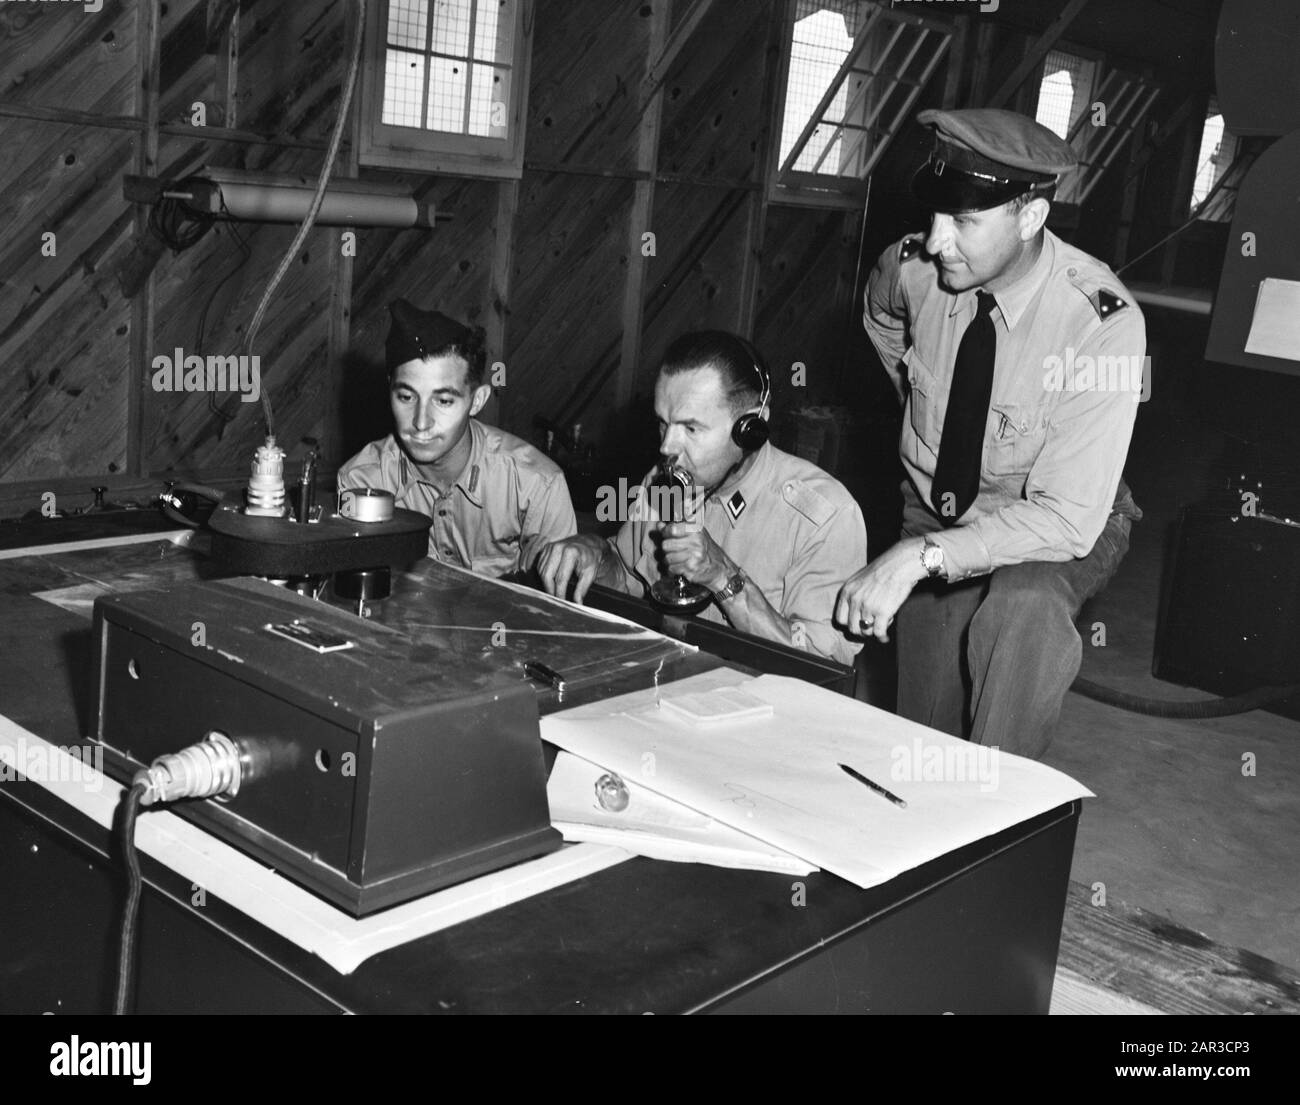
808,502
1107,303
910,248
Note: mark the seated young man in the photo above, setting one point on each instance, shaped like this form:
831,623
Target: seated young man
495,501
775,534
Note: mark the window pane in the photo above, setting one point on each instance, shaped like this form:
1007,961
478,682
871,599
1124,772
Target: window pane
403,87
447,84
494,31
451,28
406,23
1215,157
489,109
821,43
1065,92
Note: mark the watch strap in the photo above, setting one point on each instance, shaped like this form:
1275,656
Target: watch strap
731,588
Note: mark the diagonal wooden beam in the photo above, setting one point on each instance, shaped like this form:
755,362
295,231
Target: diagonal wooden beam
1161,136
897,121
874,75
220,13
1109,149
1036,55
657,73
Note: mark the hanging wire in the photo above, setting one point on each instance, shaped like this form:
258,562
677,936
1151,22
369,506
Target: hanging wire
1196,214
319,198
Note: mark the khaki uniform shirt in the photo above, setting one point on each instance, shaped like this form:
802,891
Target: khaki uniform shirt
509,501
1069,372
795,531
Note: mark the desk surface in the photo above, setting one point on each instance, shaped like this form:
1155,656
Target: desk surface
976,930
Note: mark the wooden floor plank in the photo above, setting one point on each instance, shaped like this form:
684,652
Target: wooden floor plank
1158,963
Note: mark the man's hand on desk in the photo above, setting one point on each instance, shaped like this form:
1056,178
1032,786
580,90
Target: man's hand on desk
870,599
580,560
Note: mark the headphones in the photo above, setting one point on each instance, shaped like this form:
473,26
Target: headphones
750,430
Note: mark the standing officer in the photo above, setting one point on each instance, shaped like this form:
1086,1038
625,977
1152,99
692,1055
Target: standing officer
1024,361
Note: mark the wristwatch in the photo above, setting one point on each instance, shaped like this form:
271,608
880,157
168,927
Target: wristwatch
731,589
932,558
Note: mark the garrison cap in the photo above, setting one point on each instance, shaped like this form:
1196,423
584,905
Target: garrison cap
416,334
983,157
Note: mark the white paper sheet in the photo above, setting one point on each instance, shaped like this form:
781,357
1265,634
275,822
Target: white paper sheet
779,779
341,940
1275,326
655,826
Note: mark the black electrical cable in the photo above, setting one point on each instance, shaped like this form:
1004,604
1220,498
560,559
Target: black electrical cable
177,224
1201,708
170,502
126,951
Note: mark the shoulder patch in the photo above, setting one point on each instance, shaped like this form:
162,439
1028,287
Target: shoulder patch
1093,285
909,248
1107,303
807,501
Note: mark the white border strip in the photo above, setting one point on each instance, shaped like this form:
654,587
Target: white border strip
180,537
341,940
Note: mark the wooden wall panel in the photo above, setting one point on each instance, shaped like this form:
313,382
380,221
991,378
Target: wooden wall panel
806,311
186,73
587,64
714,124
63,56
64,327
206,298
567,286
445,269
693,282
564,312
292,63
290,73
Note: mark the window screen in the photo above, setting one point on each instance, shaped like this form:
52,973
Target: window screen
1217,152
1066,91
823,37
448,65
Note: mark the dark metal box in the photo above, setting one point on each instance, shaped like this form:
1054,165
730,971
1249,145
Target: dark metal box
374,773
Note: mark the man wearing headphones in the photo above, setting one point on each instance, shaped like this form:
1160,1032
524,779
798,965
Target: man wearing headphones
774,536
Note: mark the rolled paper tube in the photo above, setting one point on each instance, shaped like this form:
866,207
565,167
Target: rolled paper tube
277,204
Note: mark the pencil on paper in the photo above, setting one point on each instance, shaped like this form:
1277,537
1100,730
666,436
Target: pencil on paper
874,786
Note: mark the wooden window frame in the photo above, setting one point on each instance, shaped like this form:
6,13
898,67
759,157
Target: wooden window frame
1083,180
383,145
806,189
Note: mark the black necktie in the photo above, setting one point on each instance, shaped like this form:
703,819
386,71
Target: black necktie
957,473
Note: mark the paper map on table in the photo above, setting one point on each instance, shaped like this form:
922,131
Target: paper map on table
779,779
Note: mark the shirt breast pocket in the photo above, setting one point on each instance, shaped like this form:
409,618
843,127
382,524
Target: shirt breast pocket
928,396
495,565
1018,434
